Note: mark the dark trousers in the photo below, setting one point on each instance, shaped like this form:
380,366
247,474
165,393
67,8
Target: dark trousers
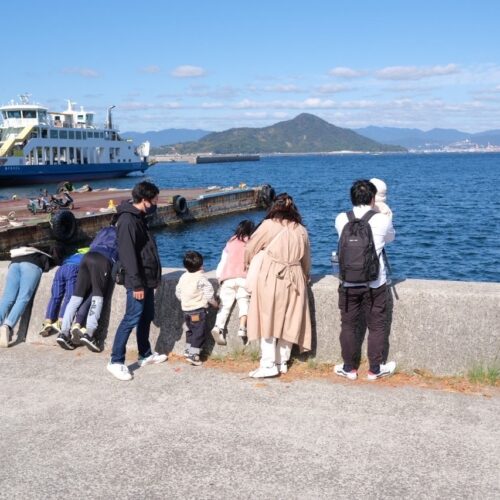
353,301
93,275
138,313
195,334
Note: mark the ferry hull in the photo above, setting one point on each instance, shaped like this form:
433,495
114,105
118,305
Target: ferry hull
18,175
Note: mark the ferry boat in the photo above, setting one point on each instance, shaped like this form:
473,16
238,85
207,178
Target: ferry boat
42,146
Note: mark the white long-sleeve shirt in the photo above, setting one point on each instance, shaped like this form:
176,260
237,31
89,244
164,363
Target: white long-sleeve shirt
194,291
383,232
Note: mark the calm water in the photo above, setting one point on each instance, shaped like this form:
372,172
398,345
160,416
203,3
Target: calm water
446,208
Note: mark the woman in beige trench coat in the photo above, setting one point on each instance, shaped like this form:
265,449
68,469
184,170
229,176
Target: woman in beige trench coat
279,307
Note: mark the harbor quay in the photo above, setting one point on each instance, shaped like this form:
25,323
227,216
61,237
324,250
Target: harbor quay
440,327
95,209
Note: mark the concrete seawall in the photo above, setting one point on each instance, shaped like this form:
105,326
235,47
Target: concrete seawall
443,327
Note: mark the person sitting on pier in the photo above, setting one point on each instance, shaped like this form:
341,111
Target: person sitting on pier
93,277
195,293
231,274
61,292
25,270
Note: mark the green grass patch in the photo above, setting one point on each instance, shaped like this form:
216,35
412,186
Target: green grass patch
481,374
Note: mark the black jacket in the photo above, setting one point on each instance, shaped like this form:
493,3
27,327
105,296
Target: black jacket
137,250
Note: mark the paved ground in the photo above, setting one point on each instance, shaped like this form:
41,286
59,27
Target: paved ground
70,430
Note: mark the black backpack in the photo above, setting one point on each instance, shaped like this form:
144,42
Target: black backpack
358,259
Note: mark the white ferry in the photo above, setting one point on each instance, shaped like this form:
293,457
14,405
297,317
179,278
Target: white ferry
42,146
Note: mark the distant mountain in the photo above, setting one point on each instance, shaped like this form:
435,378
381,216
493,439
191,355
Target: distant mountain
305,133
166,136
436,138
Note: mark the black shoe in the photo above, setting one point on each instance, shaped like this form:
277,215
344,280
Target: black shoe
194,359
65,342
90,342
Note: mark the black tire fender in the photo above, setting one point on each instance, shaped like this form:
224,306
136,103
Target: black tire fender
63,224
180,205
267,195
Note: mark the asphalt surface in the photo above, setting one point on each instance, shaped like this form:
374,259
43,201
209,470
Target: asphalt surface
70,430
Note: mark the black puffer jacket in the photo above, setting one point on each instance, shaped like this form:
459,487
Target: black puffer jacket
137,250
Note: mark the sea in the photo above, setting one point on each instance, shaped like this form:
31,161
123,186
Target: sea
446,207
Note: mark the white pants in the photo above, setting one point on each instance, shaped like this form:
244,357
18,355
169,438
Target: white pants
231,290
274,352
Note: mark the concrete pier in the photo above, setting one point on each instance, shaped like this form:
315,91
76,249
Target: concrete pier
175,206
443,327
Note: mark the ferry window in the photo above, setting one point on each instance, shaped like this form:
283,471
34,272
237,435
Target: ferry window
44,133
63,134
90,119
90,135
54,134
101,135
42,115
4,114
14,114
84,135
78,134
29,113
71,134
80,117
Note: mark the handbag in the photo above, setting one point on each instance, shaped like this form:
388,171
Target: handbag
255,266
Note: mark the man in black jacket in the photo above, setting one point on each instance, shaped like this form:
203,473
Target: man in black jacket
140,260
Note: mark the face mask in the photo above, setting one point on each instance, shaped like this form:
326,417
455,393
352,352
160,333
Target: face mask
151,210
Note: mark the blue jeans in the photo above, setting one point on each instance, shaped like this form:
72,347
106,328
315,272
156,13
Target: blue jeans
138,313
21,283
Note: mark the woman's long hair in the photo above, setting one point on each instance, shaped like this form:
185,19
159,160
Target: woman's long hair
283,208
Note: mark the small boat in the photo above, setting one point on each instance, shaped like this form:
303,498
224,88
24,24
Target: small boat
42,146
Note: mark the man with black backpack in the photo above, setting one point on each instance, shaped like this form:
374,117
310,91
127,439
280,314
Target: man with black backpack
363,234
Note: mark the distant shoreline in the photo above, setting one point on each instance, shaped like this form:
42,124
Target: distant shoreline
188,158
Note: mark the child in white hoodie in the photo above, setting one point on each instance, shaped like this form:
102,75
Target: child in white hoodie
381,197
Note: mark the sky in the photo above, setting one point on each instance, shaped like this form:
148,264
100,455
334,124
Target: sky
218,64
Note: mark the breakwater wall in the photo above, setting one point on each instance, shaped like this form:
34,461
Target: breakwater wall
443,327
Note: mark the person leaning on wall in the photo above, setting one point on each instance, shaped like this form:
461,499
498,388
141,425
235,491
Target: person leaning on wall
25,270
279,313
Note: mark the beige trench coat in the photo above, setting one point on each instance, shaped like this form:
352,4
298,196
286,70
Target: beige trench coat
279,307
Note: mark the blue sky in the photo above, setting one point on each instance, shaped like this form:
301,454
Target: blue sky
220,64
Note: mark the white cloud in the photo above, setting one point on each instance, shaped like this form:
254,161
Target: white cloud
140,106
414,72
282,88
343,72
152,69
84,72
188,71
332,88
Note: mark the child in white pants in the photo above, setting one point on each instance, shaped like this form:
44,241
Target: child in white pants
231,274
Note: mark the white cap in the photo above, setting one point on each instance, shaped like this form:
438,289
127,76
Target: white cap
381,189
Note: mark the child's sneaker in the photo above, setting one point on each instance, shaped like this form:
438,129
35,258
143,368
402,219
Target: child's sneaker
46,328
194,359
90,342
65,342
56,326
263,372
186,353
385,371
242,334
218,335
339,370
152,359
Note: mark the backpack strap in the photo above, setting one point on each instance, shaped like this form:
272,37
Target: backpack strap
368,215
350,216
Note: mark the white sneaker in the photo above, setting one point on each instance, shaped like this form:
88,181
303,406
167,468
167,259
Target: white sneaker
339,370
120,371
218,335
262,372
4,335
153,359
385,371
